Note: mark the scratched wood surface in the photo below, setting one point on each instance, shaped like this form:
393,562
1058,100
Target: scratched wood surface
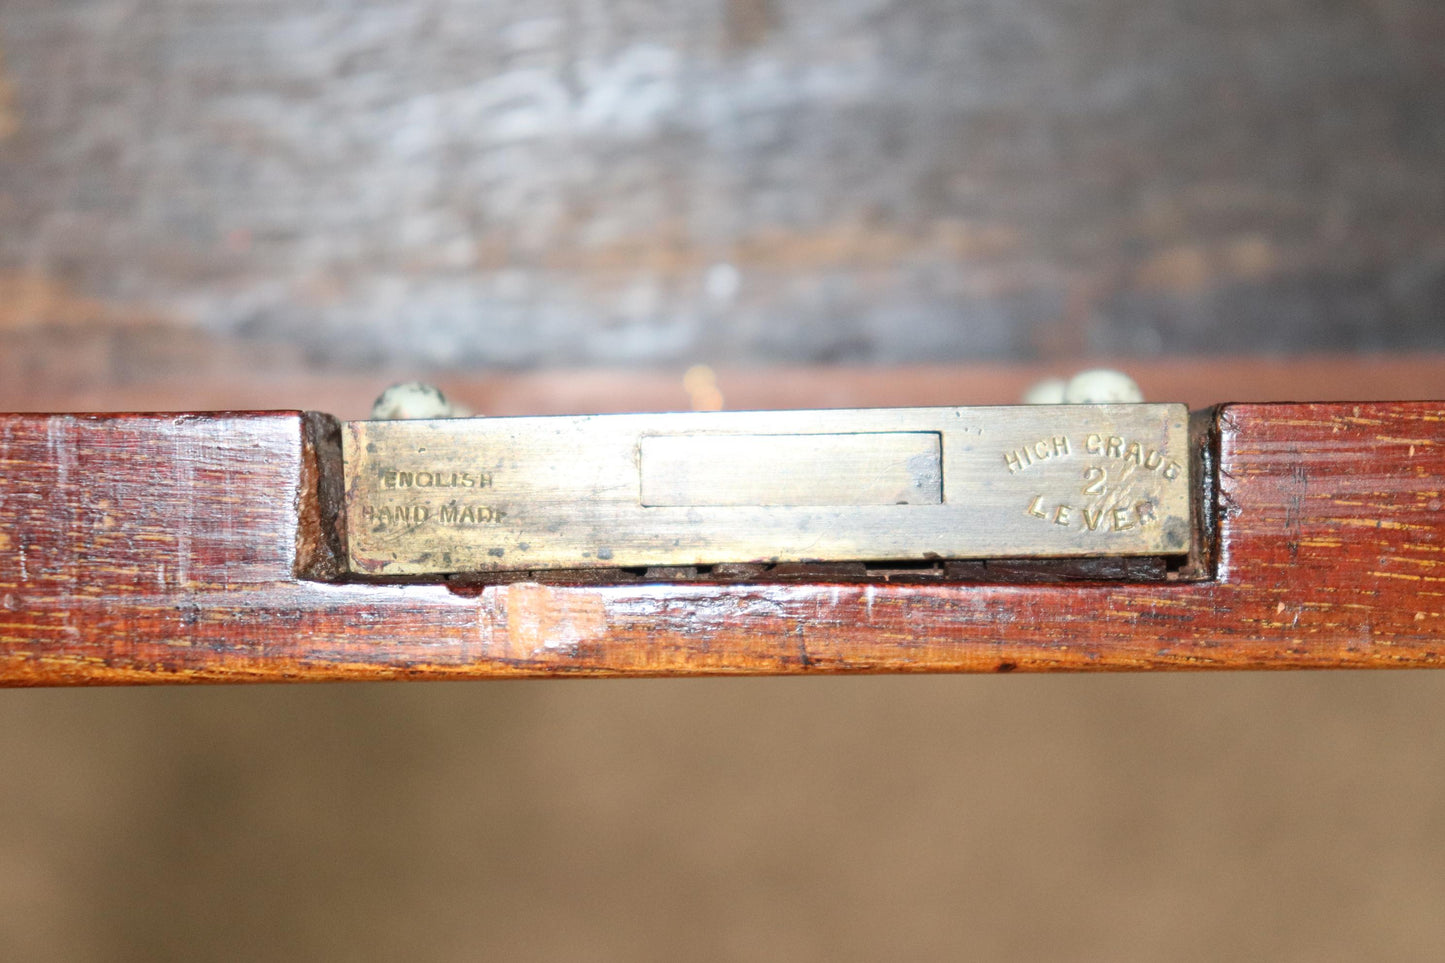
162,548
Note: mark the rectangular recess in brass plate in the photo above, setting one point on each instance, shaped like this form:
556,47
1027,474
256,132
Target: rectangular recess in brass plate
872,468
703,488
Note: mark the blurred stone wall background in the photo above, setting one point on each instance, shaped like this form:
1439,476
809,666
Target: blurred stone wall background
443,183
227,203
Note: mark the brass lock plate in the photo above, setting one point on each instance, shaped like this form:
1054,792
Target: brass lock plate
705,488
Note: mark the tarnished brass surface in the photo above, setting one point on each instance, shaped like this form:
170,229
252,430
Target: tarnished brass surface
696,488
793,470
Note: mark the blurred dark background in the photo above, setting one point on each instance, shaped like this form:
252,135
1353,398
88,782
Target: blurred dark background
421,183
561,206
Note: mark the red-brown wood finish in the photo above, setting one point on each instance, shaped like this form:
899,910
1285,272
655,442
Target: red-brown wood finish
163,549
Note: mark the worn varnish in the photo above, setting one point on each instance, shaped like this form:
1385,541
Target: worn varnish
190,548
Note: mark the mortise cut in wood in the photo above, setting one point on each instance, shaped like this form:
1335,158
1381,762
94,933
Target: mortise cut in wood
164,549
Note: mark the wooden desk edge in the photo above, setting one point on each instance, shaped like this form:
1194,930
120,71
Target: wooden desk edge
142,549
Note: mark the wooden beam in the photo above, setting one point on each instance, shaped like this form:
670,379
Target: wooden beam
164,549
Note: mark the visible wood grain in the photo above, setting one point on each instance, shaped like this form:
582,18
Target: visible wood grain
164,548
